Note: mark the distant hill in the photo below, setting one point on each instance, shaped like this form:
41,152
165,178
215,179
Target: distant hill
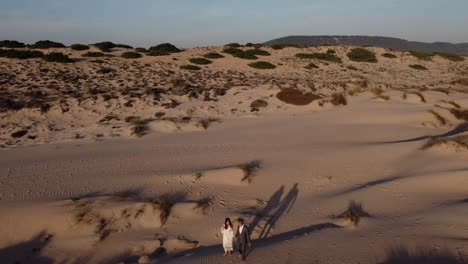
384,42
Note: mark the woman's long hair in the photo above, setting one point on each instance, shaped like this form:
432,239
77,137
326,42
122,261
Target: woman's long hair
227,225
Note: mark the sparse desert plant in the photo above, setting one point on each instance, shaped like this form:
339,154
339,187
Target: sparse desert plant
206,122
250,170
204,204
164,203
442,121
259,103
131,55
354,213
213,55
20,54
389,55
338,99
262,65
362,55
166,48
450,56
402,255
139,125
460,114
46,44
422,55
319,56
159,114
200,61
11,44
311,66
198,176
296,97
57,57
79,47
418,67
459,143
93,54
190,67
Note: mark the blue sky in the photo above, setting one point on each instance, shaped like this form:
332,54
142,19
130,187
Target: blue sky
189,23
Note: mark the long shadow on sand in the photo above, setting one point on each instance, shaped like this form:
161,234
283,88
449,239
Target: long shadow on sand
28,251
206,251
457,130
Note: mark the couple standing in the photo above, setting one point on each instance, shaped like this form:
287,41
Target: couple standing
241,236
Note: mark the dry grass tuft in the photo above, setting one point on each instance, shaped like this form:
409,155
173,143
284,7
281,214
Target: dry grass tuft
204,204
250,170
354,213
164,203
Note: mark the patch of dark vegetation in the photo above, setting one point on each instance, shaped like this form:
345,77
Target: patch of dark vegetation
418,67
338,99
200,61
11,44
94,54
131,55
164,48
402,255
259,103
450,56
20,54
259,52
139,125
330,51
164,203
79,47
190,67
362,55
296,97
311,66
141,50
389,55
238,53
422,55
57,57
213,55
46,44
19,134
262,65
233,45
250,170
460,114
320,56
354,213
107,46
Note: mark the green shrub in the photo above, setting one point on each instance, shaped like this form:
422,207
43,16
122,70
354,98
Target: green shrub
233,45
449,56
93,54
418,67
213,55
200,61
165,48
46,44
190,67
20,54
142,50
422,55
131,55
11,44
263,65
319,56
259,52
79,47
238,53
57,57
389,55
362,55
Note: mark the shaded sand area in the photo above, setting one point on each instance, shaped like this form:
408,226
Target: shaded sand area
93,200
350,162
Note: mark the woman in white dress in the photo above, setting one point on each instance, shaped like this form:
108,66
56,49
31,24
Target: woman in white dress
228,235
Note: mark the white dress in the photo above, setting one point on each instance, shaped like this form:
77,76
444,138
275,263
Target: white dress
228,235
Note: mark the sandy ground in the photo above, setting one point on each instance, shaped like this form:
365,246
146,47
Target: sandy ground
287,170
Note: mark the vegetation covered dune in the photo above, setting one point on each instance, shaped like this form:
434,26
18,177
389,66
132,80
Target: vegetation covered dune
332,154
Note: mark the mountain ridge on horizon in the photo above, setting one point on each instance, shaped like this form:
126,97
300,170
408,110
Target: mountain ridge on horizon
377,41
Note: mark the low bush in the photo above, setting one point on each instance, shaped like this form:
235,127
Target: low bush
79,47
107,46
57,57
258,52
422,55
389,55
354,213
262,65
362,55
20,54
450,56
238,53
94,54
190,67
11,44
250,170
320,56
233,45
164,48
418,67
296,97
213,55
131,55
338,99
200,61
46,44
141,50
259,103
